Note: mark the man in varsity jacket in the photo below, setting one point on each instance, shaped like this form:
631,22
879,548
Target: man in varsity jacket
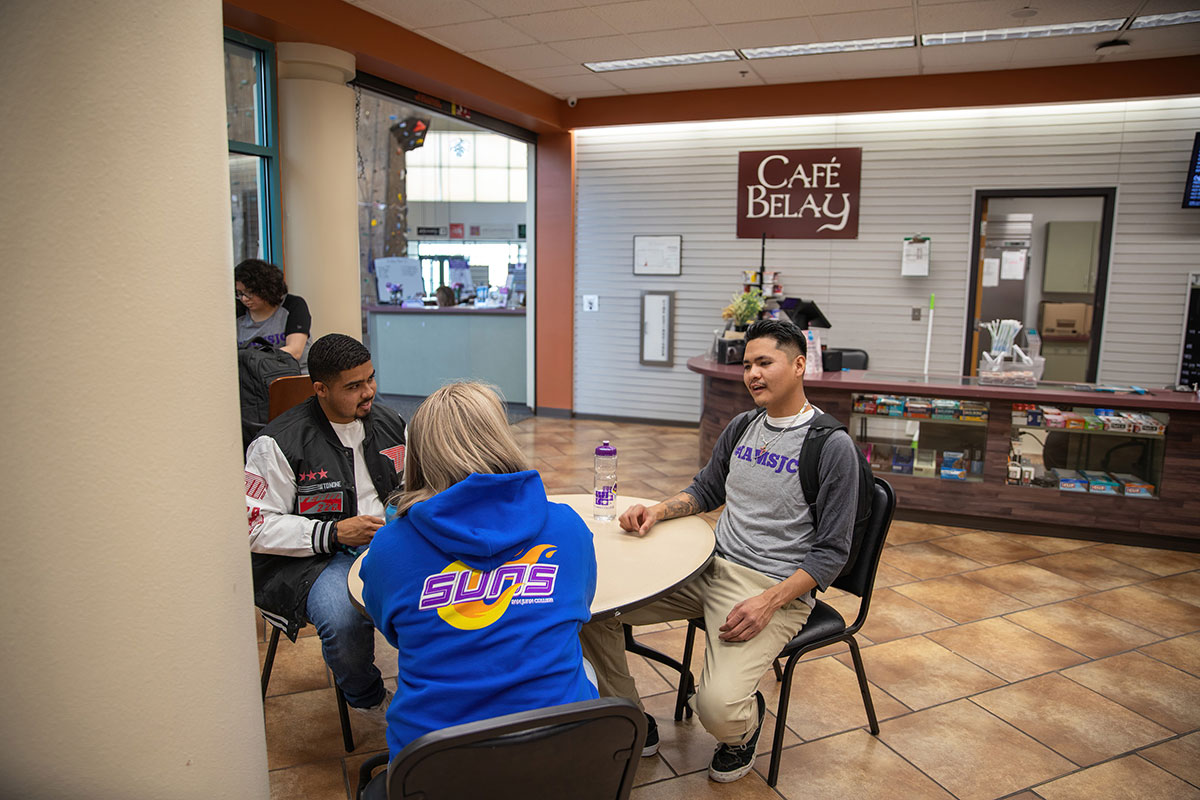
317,478
757,592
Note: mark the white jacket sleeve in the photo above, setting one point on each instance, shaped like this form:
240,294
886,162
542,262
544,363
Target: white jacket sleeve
270,497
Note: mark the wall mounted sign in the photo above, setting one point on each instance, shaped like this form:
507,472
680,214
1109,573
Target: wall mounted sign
658,329
799,194
657,255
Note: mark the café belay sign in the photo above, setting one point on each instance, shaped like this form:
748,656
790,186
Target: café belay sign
799,194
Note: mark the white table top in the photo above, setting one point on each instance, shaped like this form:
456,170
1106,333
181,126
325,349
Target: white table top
631,570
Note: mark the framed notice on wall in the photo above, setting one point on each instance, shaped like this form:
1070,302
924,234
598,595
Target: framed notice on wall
658,329
657,255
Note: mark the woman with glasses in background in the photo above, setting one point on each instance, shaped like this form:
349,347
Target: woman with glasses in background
266,309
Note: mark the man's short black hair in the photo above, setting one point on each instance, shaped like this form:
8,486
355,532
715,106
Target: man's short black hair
785,334
333,354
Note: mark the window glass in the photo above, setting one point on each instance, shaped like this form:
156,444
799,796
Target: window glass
243,111
245,182
253,157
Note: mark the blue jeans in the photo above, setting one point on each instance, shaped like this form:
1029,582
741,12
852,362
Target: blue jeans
347,635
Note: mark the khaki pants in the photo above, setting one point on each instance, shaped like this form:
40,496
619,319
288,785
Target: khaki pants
724,699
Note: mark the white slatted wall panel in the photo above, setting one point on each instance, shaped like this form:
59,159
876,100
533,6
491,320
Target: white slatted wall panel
919,174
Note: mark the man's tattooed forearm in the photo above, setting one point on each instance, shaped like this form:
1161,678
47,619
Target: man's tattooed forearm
681,505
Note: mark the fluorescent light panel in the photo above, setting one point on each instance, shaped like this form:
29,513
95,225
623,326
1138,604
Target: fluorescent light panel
662,61
1158,20
815,48
1024,32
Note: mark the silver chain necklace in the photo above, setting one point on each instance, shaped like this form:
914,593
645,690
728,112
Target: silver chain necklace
791,422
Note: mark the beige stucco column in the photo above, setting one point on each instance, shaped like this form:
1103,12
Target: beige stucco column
320,184
128,664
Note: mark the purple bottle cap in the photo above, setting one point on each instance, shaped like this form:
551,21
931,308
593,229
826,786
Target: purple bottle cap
606,449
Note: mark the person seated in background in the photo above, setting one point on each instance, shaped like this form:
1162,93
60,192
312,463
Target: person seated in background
445,296
267,310
316,479
480,583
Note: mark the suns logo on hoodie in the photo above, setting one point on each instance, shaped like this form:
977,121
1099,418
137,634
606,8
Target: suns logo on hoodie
468,599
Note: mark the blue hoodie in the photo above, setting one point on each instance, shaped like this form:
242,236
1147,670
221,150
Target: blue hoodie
482,588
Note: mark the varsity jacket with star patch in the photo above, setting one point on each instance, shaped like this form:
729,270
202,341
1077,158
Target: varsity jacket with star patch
299,483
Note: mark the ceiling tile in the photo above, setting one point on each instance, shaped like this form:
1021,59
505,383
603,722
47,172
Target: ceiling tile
843,66
797,30
815,7
577,86
965,57
530,56
484,33
602,48
983,14
685,78
414,14
1169,6
864,24
551,72
509,8
795,69
650,15
725,11
1081,48
1174,40
683,40
558,26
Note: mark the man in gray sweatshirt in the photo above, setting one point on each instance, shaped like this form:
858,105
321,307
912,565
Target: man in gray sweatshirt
758,590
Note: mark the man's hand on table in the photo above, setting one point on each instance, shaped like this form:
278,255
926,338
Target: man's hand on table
356,531
639,519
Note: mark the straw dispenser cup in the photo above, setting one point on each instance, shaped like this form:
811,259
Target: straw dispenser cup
604,503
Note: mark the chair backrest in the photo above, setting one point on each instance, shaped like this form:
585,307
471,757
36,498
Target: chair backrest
861,578
854,359
286,392
584,751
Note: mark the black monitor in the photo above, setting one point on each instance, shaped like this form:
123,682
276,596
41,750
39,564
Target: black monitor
1191,189
804,313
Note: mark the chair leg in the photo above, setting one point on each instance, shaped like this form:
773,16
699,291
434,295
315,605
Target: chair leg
344,713
785,695
778,671
687,685
270,661
863,686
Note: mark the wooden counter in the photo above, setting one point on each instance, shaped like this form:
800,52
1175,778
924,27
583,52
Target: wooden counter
1172,519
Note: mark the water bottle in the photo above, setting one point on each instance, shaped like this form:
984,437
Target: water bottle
1033,343
605,498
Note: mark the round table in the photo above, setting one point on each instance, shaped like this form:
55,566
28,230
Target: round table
631,570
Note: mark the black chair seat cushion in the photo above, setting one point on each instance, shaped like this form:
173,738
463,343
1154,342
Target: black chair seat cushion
823,623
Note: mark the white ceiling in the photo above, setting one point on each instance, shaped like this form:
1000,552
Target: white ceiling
545,42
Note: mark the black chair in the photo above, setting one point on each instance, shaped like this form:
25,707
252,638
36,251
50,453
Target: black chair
825,626
343,712
851,357
585,751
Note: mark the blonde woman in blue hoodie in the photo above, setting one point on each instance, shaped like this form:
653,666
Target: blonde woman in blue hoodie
480,582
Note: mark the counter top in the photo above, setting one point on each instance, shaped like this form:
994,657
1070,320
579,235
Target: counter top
501,312
953,386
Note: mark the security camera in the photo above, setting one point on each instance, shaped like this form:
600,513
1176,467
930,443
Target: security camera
572,101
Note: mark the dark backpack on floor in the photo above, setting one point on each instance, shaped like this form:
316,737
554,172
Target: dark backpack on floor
810,483
259,363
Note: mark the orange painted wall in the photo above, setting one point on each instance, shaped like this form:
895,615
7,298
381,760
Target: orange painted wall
555,265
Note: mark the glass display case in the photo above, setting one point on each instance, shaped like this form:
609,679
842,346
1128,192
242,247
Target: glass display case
927,437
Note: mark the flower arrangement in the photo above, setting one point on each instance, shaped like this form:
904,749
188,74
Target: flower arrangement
745,307
395,289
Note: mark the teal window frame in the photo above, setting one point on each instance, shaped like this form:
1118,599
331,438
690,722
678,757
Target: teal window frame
268,187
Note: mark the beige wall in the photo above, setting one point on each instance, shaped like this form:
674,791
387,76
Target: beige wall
128,660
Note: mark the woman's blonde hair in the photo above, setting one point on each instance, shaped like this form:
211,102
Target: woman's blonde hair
460,429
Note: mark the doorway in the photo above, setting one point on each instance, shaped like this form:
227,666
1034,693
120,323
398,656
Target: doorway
1041,256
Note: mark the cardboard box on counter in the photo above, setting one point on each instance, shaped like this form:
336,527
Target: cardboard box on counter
1066,319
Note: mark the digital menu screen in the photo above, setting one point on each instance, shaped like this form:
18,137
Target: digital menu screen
1191,190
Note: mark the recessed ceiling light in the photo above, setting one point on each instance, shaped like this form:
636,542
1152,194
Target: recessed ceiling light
815,48
1026,32
1024,12
1158,20
661,61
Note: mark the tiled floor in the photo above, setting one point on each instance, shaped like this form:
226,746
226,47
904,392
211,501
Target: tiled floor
1001,665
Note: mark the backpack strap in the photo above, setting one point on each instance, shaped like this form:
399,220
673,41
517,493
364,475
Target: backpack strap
742,425
810,457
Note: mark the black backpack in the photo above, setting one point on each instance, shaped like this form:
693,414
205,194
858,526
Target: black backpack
259,363
810,458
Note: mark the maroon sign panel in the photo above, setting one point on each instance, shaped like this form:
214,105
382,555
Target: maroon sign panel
799,194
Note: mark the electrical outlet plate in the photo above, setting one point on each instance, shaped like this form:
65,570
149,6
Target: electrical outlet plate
591,302
916,314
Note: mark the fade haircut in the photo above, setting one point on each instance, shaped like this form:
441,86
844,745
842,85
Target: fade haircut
333,354
786,335
262,280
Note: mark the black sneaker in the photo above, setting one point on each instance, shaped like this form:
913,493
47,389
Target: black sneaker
651,745
731,762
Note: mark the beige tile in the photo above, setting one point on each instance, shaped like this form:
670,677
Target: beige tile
1006,649
1150,559
1049,544
387,660
886,576
825,699
1091,569
1074,721
298,667
1124,778
892,616
906,532
1147,609
1184,587
1182,652
960,599
1180,757
921,673
1084,629
970,752
319,780
927,560
699,787
304,727
853,764
1028,583
1152,689
988,548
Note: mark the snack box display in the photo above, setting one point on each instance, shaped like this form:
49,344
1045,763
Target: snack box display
1092,422
1073,421
1114,422
973,411
881,457
890,406
925,463
1033,417
864,404
1143,423
954,465
1132,485
902,460
1099,482
945,409
1069,480
917,407
1055,420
